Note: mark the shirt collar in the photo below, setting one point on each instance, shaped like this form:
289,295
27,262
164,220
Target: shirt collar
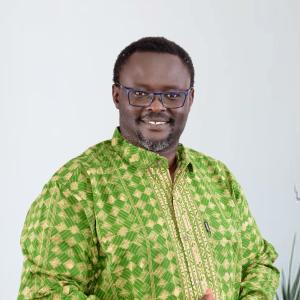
141,157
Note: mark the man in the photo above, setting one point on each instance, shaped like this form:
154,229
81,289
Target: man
141,216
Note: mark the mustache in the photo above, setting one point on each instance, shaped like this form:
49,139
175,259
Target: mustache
156,116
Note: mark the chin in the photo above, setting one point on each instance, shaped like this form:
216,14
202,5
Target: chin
154,145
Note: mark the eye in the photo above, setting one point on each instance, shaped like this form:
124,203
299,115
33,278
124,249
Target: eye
137,93
172,95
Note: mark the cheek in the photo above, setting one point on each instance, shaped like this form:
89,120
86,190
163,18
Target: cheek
128,114
181,117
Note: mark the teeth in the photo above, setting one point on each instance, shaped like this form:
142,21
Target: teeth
156,123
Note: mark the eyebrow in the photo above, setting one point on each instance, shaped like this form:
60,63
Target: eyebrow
164,88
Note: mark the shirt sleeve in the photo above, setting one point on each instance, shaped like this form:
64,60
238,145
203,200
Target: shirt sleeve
260,278
59,243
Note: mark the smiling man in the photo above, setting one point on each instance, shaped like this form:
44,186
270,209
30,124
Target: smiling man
153,120
141,216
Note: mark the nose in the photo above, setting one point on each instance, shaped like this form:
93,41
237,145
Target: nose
156,104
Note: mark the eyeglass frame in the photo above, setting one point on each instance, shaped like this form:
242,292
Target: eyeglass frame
153,94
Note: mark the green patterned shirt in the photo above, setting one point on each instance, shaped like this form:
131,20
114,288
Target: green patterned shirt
111,224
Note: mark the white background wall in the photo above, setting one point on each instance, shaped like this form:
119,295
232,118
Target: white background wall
56,60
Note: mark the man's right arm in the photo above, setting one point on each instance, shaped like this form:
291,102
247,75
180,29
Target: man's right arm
59,243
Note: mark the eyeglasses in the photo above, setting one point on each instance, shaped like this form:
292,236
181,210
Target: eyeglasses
141,98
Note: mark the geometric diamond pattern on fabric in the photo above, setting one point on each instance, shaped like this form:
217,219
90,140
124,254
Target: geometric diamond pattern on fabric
111,224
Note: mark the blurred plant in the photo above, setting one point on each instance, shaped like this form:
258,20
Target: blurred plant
290,289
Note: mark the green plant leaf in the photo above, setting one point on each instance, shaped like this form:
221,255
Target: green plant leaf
296,285
283,287
289,283
297,296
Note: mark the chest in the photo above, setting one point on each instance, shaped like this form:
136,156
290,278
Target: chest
185,230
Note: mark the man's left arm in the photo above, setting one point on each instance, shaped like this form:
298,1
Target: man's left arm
259,276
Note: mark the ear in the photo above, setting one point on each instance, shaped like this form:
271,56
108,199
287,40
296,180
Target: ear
191,97
116,95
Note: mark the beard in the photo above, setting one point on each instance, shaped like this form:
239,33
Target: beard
154,146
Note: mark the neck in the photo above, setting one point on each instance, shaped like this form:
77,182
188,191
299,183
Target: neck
170,155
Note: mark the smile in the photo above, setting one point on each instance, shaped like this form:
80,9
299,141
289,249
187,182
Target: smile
156,122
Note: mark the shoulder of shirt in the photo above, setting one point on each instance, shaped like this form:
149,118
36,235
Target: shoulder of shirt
215,168
83,163
201,159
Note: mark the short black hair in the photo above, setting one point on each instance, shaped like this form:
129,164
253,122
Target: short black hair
153,44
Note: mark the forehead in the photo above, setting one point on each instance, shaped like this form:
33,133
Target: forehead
155,71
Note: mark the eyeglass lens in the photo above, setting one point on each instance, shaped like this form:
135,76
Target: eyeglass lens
169,100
